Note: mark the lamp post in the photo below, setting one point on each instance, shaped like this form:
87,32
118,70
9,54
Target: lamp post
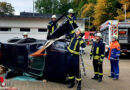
125,12
33,7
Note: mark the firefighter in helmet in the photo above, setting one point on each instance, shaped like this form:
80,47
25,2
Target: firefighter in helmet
52,26
25,35
72,22
114,54
97,52
73,58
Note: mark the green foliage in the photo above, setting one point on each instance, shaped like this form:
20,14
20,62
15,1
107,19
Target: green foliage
121,10
52,6
46,6
98,10
6,8
64,5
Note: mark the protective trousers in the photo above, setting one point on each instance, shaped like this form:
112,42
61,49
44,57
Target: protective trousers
114,68
98,69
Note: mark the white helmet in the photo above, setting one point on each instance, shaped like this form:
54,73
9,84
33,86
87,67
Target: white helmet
99,35
53,16
115,37
70,11
25,33
81,30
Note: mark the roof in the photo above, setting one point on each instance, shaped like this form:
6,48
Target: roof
29,15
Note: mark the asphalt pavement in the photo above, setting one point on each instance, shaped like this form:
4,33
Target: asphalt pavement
88,84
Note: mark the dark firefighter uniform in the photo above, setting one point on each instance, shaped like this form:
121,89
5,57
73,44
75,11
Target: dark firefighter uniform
73,58
97,52
52,26
72,21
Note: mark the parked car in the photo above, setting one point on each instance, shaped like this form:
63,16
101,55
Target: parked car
52,64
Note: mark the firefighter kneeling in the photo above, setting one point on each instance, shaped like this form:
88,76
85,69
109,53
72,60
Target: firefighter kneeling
73,58
97,52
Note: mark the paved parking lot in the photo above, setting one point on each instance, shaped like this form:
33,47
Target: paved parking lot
88,84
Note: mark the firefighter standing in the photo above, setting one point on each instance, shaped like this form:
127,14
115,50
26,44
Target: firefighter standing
73,58
72,21
97,52
114,54
52,26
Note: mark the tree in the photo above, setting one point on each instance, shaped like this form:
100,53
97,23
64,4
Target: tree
87,11
53,6
121,11
100,15
64,6
77,6
46,6
105,10
112,6
6,8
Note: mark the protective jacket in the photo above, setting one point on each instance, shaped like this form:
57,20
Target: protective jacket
52,26
114,51
98,50
75,44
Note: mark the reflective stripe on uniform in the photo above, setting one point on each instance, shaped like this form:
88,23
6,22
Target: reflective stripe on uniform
97,50
49,24
74,52
71,42
81,42
71,77
96,72
73,31
96,57
117,54
102,55
52,29
76,45
70,22
100,73
78,79
74,21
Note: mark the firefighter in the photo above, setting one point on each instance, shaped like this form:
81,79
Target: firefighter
97,52
52,26
114,54
73,58
72,21
25,35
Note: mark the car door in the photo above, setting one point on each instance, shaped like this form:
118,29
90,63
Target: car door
36,64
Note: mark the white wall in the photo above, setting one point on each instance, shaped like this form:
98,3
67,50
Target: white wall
33,23
16,23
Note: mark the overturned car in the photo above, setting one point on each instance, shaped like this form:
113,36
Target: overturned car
51,64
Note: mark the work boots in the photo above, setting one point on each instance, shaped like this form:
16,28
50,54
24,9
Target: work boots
99,79
79,85
95,77
71,83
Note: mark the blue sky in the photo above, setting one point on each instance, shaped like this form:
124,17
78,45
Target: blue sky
21,5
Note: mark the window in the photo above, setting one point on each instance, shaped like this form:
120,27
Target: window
5,29
42,30
24,29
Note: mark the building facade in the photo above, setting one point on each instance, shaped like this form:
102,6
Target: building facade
36,26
